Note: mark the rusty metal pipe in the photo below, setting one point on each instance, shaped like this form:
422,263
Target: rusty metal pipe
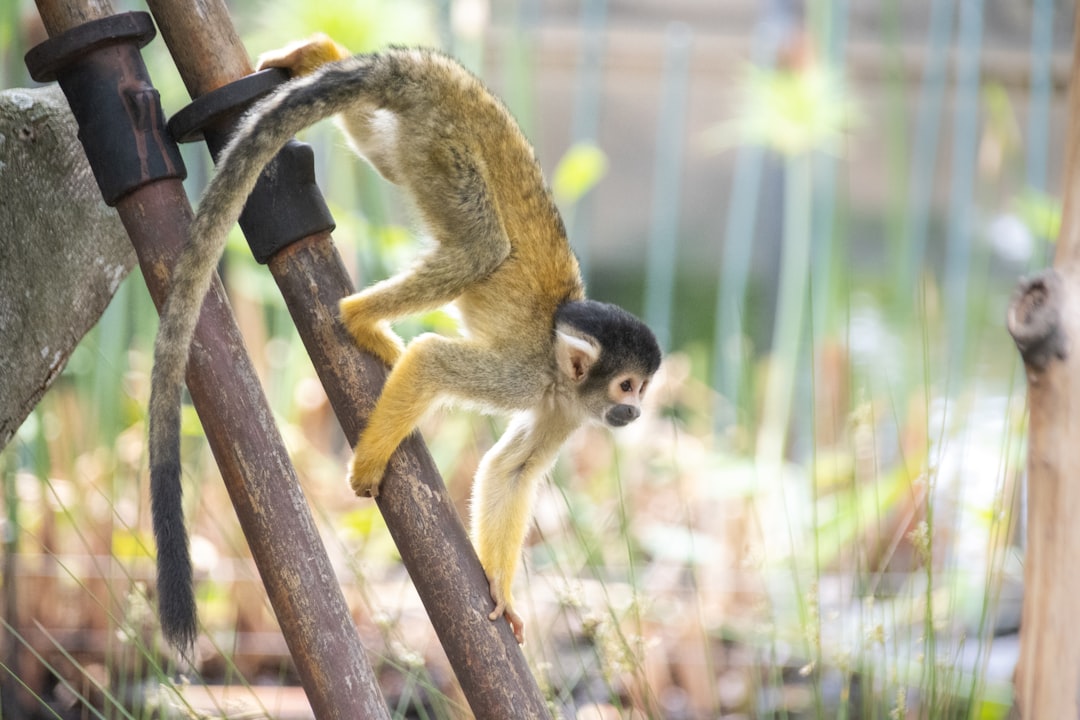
259,476
255,466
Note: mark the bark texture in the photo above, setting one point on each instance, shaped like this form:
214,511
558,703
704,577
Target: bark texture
63,252
1044,320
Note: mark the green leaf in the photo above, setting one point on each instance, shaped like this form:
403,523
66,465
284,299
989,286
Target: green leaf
1040,212
580,169
190,425
128,544
789,111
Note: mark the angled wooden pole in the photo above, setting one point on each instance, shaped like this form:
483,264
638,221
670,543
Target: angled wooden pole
418,510
254,464
1044,320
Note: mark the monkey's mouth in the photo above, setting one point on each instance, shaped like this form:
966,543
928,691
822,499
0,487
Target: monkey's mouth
621,415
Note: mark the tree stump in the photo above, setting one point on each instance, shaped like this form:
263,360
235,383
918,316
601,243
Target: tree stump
63,251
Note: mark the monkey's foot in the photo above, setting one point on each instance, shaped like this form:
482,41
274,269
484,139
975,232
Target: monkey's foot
303,56
381,343
503,609
377,338
365,476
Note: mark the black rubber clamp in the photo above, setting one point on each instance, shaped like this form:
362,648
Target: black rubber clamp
286,204
121,123
219,109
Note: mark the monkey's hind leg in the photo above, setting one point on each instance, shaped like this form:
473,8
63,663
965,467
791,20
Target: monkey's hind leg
436,280
375,337
470,245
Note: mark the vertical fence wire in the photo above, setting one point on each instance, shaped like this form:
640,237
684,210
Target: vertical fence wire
729,351
586,117
833,29
661,267
925,150
1037,142
965,139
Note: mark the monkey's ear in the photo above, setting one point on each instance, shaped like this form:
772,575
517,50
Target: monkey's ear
575,354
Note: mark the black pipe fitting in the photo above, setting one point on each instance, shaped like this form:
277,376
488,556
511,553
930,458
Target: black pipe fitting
286,204
121,123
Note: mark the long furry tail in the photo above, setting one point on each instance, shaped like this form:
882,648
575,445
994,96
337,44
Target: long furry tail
260,135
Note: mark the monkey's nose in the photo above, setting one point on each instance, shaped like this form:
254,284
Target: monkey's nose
622,414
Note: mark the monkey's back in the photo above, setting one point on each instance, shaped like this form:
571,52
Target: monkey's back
458,149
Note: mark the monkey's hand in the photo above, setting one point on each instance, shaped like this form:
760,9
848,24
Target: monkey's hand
365,473
303,57
500,593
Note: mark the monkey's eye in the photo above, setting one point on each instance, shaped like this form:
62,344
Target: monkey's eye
626,386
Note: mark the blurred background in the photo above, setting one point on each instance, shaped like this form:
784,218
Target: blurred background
821,207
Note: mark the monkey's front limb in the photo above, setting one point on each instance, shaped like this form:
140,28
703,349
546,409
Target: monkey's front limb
502,499
410,390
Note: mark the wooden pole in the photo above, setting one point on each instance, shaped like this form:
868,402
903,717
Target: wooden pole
418,510
1044,320
255,466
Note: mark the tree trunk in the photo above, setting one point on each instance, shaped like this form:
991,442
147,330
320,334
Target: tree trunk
63,252
1044,320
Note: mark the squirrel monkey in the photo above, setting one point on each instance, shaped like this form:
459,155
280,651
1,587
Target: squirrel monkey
531,345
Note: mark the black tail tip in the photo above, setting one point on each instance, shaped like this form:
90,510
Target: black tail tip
178,624
176,595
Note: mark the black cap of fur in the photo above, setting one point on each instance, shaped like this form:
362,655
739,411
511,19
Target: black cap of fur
626,343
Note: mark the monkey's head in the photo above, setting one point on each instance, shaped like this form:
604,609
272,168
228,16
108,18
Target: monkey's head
608,355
